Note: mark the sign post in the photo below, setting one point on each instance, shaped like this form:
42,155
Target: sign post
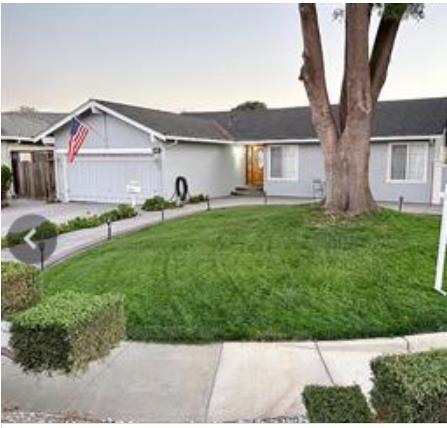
133,187
442,246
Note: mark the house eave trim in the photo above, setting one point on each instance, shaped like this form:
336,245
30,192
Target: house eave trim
91,104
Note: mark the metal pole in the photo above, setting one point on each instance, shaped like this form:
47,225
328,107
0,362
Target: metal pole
208,207
442,245
401,202
163,212
265,197
109,228
42,251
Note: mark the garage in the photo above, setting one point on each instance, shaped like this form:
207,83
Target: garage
104,178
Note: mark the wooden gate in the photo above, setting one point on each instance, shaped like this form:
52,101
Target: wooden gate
33,174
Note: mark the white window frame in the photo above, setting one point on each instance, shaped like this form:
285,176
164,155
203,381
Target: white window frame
296,157
407,181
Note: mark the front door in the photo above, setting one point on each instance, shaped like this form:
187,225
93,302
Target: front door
255,165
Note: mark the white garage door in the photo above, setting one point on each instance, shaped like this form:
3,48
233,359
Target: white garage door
98,178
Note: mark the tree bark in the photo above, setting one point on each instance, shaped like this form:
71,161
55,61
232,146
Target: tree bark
382,49
346,147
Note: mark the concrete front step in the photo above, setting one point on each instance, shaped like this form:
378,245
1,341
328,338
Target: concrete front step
247,190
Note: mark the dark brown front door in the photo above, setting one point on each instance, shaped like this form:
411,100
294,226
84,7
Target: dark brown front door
33,174
255,165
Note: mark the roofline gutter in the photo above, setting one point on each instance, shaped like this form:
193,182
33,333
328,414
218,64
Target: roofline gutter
18,139
317,141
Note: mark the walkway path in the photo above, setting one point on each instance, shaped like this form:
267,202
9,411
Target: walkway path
218,382
71,243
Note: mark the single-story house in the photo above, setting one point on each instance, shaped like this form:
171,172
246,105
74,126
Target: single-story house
275,149
30,160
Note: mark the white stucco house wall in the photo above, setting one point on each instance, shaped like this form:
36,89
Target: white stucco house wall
276,150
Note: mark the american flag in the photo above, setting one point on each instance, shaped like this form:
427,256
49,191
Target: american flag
78,134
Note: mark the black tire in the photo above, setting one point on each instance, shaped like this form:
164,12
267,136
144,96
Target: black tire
181,188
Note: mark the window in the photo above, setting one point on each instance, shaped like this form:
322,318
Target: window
408,162
283,163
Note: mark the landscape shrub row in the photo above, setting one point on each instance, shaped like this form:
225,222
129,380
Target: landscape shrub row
48,229
19,290
157,202
408,388
66,331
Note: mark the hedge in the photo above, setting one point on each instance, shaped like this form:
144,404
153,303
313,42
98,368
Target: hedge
18,287
336,404
67,331
6,183
48,229
123,211
157,203
411,387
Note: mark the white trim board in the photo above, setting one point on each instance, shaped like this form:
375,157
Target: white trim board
96,106
123,151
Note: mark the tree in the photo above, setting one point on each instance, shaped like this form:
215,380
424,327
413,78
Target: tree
27,109
345,133
250,106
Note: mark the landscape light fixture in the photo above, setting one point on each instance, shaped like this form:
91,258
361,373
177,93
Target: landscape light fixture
41,247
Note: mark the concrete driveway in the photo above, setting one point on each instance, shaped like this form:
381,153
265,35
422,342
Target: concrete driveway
57,212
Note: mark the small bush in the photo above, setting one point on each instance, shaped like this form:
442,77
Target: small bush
119,213
18,287
45,230
336,404
195,199
6,183
157,203
14,238
411,388
67,331
79,223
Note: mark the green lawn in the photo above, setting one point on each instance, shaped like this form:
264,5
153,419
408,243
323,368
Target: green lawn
268,273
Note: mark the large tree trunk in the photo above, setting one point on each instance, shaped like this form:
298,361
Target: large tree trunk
346,143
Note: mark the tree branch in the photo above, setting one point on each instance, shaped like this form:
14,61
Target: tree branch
343,110
383,47
313,75
358,90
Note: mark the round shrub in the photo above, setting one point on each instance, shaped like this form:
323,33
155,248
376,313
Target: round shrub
18,287
45,230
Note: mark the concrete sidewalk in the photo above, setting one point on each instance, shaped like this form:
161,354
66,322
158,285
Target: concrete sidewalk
145,382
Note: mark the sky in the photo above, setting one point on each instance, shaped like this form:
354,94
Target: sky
182,57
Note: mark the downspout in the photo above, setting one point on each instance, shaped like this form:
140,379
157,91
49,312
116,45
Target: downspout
167,146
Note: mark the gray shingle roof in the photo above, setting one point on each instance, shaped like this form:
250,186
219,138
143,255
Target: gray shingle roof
171,123
417,117
27,124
